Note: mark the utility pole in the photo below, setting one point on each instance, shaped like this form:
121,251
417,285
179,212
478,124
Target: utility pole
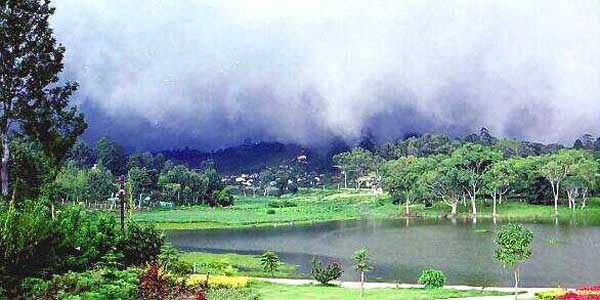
122,200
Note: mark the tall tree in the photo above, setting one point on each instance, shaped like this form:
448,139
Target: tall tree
443,182
499,178
404,177
556,167
32,98
111,155
472,162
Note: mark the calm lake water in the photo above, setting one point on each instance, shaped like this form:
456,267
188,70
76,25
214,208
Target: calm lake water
564,254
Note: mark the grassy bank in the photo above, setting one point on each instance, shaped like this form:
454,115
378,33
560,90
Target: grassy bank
316,206
269,291
303,208
235,264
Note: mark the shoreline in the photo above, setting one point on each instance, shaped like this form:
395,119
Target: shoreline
210,225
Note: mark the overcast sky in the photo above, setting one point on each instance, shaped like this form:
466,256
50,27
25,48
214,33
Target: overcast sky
205,74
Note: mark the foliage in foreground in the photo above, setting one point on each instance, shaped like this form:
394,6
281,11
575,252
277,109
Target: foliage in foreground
581,293
35,245
432,279
324,274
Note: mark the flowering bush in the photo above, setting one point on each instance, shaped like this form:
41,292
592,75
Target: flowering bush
582,293
218,281
551,295
156,285
332,271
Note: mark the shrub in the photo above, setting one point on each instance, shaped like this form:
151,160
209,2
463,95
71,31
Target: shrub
155,284
270,262
270,211
551,295
140,244
582,293
27,244
224,197
170,261
218,281
332,271
93,284
282,204
219,268
432,279
86,238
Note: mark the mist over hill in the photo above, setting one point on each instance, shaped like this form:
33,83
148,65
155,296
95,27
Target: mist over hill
209,75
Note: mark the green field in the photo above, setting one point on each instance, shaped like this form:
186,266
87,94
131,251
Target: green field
316,206
234,264
270,291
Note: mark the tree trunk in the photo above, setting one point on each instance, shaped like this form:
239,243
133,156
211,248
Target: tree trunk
500,199
345,180
362,284
4,166
454,204
556,201
473,205
407,206
516,272
494,205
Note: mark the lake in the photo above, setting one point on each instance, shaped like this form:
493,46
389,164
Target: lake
566,254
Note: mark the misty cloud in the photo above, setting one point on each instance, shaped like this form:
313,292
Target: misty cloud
211,73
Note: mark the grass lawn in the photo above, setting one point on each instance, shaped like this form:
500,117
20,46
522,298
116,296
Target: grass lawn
315,206
234,264
269,291
249,211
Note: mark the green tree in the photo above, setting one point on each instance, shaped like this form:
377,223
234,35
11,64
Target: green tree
556,167
82,153
358,163
499,178
443,182
362,265
266,176
139,182
403,178
101,184
513,248
33,100
472,161
270,262
581,180
111,155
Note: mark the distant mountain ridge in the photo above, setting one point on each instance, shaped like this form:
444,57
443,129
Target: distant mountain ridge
253,157
247,158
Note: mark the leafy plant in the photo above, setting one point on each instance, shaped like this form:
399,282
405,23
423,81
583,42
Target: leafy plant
27,244
332,271
432,279
270,262
362,265
170,261
270,211
224,197
282,204
104,283
140,244
514,247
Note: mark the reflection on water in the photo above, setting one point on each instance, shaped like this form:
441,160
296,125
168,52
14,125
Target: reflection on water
566,253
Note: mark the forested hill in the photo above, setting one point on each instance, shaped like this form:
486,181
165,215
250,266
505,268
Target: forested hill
251,157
